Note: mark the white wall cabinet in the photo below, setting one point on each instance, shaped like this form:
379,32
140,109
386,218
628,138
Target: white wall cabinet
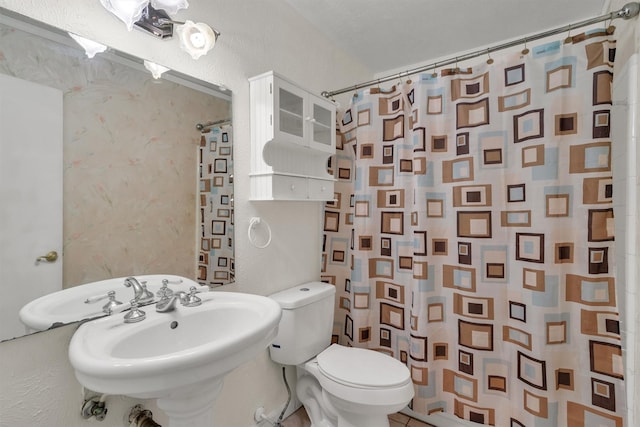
293,135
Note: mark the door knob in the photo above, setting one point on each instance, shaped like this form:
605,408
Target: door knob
50,257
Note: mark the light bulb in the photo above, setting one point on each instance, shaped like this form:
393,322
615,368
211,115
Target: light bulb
196,39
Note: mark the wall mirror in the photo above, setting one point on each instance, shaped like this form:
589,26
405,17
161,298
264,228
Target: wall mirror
147,165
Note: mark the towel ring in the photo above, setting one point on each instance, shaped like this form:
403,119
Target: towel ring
253,224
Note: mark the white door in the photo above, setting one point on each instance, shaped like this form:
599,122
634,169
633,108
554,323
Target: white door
30,196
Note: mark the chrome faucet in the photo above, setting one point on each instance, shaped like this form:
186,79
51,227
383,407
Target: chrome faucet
168,303
140,292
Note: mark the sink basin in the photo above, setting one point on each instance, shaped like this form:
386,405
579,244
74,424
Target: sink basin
180,357
68,305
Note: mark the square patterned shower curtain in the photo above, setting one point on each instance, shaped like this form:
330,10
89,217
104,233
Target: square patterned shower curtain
472,236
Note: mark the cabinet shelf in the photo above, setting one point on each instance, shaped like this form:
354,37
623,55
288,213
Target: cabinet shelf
293,135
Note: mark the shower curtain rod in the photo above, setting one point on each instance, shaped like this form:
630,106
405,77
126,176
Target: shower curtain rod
628,11
202,126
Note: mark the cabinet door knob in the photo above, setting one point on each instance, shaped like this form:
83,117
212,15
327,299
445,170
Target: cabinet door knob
293,187
323,188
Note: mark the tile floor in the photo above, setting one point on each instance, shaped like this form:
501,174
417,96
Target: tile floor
300,419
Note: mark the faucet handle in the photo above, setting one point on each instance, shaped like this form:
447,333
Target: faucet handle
135,314
109,307
165,292
94,299
191,300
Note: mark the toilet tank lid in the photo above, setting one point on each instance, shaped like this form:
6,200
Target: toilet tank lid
303,294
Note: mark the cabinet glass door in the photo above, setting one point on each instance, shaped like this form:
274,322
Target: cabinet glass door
322,119
291,113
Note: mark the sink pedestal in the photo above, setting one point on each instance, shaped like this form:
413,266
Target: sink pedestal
192,407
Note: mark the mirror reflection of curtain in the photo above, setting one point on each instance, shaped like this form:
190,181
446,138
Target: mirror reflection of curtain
216,263
472,236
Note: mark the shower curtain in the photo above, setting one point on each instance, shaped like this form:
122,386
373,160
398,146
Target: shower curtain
472,236
216,262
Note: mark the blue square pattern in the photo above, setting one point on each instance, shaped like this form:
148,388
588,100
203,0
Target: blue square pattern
430,390
548,298
517,311
461,169
428,179
552,417
529,371
460,277
518,217
385,176
459,385
549,170
383,268
514,76
546,49
512,101
528,247
596,157
516,194
360,179
594,291
518,336
356,272
591,419
527,125
347,118
429,284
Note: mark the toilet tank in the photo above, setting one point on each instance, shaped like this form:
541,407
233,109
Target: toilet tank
306,324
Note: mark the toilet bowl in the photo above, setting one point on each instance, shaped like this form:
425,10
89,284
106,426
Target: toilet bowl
359,387
339,386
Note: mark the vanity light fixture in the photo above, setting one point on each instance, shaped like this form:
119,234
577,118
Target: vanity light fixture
153,16
131,11
90,47
156,70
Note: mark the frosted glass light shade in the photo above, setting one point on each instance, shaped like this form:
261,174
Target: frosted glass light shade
156,70
128,11
170,6
90,47
196,39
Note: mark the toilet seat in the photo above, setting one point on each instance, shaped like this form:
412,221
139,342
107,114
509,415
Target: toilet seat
362,377
360,368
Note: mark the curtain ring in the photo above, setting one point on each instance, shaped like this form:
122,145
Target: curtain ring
525,50
569,39
434,74
610,27
489,60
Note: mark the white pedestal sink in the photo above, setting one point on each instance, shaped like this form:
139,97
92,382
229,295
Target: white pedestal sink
68,305
180,357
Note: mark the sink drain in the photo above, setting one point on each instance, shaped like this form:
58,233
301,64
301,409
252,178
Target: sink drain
174,324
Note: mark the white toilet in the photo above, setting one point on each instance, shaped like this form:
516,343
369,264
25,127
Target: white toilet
338,386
